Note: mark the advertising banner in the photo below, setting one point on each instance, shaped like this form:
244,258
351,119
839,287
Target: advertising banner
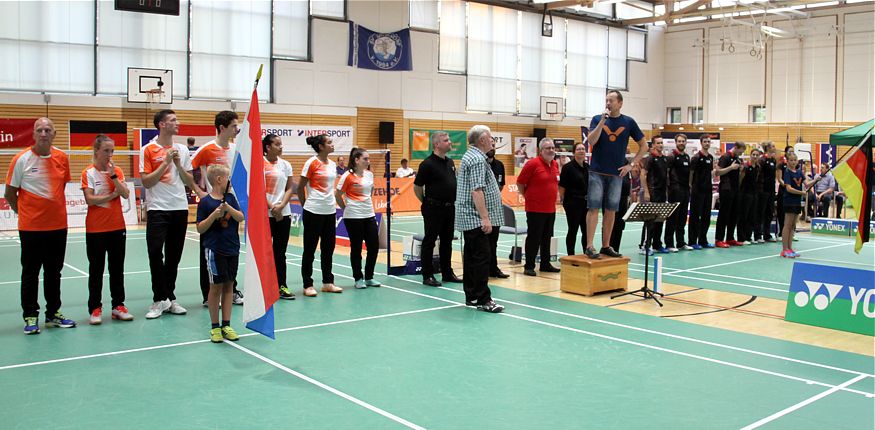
503,143
76,208
16,132
420,143
294,137
524,148
833,297
837,227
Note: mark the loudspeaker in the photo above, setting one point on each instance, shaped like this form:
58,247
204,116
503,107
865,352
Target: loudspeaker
387,132
539,133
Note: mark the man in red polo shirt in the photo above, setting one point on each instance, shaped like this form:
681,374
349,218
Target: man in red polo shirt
538,182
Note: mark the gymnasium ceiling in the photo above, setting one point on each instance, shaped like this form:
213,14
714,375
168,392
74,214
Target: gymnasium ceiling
639,12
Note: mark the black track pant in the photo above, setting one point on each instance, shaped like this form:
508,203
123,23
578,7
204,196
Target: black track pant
362,230
321,230
41,250
101,248
165,238
700,218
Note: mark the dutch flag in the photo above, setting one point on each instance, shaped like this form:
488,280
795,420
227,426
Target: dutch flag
247,179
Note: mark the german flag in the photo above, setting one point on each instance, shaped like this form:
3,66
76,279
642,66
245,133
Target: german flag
854,176
82,133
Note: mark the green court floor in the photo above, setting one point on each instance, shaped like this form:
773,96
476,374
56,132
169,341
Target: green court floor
755,270
406,355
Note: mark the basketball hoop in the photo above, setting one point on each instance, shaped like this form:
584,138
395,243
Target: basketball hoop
153,95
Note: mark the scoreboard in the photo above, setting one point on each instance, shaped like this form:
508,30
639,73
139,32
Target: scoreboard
164,7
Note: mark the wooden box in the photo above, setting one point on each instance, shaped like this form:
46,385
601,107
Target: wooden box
583,275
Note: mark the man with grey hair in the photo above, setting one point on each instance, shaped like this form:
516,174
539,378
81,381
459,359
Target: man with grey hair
478,212
538,182
435,187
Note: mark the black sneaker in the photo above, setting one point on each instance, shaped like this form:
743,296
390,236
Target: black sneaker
610,252
286,294
590,252
550,269
529,272
491,307
431,282
451,278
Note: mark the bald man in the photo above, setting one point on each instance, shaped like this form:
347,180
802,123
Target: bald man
35,186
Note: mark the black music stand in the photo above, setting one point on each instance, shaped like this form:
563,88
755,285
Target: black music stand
647,213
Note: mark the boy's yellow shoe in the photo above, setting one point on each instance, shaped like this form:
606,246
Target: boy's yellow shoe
216,335
229,333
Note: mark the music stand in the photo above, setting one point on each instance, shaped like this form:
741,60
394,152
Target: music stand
647,213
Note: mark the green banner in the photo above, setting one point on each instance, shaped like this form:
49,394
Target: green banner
420,143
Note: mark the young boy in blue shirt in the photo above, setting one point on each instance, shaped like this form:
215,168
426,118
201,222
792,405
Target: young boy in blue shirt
218,218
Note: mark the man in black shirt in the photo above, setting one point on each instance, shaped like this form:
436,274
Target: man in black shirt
497,170
435,187
766,191
748,211
678,192
654,180
728,169
701,170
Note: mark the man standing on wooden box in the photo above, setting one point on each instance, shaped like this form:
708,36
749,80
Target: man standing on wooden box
538,182
477,213
610,138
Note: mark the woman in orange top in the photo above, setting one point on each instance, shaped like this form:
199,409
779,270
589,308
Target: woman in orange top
104,187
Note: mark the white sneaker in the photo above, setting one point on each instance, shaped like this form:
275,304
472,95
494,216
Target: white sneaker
176,309
761,241
238,298
673,249
746,242
157,309
687,248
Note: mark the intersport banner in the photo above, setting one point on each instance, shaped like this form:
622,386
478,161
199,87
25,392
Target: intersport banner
294,137
16,132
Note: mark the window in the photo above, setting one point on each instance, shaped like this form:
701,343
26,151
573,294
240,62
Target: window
757,113
587,58
673,115
542,61
126,40
452,36
46,47
637,46
291,30
492,58
222,60
328,8
424,14
617,58
696,114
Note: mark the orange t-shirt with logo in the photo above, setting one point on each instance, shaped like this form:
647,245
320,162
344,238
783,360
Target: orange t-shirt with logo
107,216
42,204
209,154
320,186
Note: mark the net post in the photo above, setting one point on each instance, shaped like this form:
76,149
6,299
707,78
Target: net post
388,214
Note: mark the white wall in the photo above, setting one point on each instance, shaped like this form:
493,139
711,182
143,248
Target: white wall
826,75
328,86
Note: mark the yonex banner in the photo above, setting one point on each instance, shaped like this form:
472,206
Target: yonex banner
832,297
853,228
295,137
838,227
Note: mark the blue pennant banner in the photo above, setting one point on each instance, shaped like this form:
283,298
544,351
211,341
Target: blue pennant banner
379,51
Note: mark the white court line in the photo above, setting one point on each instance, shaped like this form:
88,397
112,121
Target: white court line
715,280
754,258
74,268
718,275
171,345
818,259
105,275
802,404
328,388
673,336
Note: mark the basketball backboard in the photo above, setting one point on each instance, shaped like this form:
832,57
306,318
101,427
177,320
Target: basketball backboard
552,108
150,85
